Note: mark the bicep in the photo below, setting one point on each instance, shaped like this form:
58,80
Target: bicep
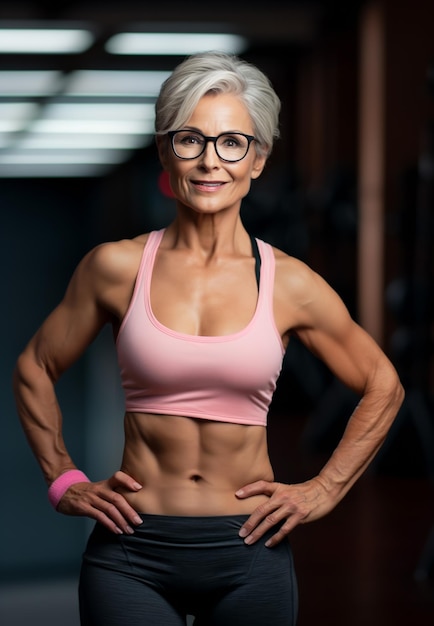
70,328
62,338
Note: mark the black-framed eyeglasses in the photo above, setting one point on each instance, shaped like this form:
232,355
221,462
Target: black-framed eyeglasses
190,144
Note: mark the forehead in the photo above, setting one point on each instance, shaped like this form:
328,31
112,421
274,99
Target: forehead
217,113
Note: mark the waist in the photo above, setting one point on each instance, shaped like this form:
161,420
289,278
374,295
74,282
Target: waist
191,501
193,467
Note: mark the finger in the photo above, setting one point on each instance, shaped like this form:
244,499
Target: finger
262,512
255,527
121,479
267,524
109,515
102,519
104,505
283,532
257,488
114,506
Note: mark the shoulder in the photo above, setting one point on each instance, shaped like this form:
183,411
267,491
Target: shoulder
105,268
294,277
114,260
105,276
305,298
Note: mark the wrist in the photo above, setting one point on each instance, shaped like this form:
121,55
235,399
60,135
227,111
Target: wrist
62,483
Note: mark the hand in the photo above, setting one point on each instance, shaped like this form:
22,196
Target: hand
102,502
292,504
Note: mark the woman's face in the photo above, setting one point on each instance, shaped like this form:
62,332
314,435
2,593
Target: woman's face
207,184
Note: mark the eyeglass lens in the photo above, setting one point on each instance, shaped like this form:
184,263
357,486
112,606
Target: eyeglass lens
229,146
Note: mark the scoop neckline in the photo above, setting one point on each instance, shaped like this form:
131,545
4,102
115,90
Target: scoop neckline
185,336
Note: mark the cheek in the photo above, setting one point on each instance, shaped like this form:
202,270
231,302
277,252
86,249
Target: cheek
248,167
176,179
174,172
242,175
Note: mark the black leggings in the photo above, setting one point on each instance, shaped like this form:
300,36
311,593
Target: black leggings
177,566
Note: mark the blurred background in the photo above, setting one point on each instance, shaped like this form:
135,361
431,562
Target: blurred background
348,189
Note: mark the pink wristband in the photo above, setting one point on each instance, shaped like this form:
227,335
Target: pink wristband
63,483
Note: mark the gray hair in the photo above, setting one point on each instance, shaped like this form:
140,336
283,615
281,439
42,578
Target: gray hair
218,72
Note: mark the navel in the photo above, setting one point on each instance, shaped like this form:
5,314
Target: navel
196,478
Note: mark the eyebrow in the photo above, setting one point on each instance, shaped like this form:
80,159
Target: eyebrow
224,132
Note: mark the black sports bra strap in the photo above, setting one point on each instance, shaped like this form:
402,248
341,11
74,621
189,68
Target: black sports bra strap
257,256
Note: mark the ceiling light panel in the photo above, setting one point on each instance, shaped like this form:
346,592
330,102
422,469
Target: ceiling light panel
114,83
174,43
54,170
96,118
30,83
44,40
66,157
99,111
128,127
82,141
14,116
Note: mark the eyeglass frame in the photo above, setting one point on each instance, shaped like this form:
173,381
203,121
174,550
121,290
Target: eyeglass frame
172,133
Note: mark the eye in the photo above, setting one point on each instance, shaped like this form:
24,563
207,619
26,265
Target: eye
231,141
189,139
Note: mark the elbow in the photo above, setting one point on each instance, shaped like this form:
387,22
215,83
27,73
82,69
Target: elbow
25,372
18,373
384,387
396,391
400,393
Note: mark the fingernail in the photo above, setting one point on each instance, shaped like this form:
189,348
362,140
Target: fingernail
129,530
243,532
248,540
138,520
137,486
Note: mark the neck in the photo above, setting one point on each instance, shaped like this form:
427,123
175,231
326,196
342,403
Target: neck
208,237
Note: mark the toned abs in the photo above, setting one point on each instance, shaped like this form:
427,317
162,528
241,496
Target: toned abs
193,466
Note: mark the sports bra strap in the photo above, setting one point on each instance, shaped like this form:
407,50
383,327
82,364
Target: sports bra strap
257,256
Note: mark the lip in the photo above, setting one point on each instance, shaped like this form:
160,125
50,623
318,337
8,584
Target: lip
208,185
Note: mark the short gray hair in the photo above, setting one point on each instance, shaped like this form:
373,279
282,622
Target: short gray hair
217,72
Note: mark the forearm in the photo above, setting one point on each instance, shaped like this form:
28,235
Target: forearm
40,417
363,437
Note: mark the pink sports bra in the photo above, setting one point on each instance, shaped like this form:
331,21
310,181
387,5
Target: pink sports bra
230,378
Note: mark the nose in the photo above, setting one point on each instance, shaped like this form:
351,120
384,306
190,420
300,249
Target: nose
209,156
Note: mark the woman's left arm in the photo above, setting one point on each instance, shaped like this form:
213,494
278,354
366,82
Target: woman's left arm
323,324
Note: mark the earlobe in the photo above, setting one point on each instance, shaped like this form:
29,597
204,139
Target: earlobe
258,166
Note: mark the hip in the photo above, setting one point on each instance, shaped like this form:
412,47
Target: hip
198,565
187,543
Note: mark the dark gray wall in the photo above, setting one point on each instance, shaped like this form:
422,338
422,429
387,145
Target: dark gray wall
41,237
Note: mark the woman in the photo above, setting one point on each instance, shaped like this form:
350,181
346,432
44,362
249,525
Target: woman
193,522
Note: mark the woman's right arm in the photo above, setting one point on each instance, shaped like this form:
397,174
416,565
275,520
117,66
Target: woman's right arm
59,342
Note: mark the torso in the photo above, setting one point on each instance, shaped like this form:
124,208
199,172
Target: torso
193,467
188,466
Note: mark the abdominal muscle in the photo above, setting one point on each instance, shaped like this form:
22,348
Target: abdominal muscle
193,467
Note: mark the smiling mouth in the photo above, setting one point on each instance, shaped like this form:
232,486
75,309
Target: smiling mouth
204,183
